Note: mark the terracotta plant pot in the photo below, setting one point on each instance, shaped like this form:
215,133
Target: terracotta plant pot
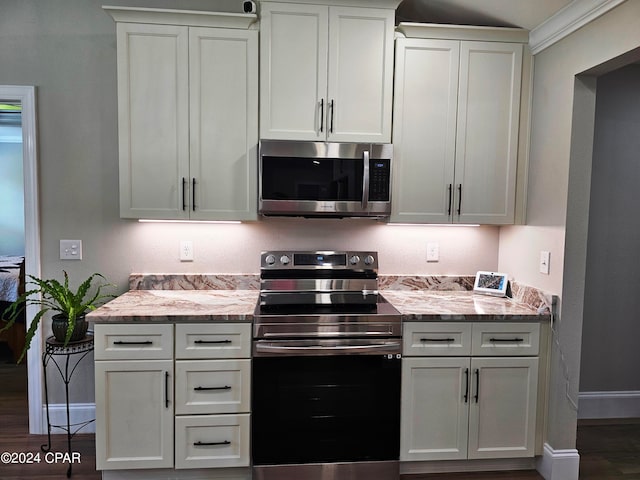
59,328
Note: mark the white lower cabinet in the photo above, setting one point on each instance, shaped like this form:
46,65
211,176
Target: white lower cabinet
213,395
152,402
468,407
134,396
134,426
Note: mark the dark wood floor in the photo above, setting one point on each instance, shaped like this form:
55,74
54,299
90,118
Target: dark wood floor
608,450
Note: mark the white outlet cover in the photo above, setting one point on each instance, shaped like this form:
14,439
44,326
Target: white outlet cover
433,252
186,251
70,249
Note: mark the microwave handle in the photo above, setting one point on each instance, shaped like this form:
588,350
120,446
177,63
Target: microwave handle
365,180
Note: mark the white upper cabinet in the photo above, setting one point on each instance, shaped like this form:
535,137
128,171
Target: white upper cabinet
153,119
223,107
487,134
187,115
456,126
424,136
326,72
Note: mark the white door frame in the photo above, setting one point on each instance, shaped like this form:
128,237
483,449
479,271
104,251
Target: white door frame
26,95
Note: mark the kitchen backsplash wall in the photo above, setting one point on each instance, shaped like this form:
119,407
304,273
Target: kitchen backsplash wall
235,248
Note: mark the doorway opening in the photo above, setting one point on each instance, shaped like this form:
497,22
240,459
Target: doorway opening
25,98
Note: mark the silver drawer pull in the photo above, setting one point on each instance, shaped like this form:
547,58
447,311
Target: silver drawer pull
203,389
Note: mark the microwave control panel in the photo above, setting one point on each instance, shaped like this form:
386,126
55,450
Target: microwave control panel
379,173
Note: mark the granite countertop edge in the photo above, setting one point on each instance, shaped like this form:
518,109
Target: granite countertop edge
224,306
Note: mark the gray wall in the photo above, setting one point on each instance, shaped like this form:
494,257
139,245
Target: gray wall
558,194
610,354
67,49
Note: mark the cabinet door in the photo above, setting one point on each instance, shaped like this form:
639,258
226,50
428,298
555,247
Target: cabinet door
435,409
424,130
502,414
293,71
223,78
134,414
153,116
360,74
487,135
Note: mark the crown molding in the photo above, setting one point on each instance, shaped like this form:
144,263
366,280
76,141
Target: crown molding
566,21
196,18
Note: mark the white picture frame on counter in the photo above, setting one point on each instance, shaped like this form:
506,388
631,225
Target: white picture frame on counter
491,283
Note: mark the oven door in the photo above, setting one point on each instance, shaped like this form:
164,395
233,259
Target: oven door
325,408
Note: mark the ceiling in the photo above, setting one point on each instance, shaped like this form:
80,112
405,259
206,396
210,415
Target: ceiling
526,14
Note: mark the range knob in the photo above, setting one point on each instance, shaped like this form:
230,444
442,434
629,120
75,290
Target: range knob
285,260
354,260
270,259
368,260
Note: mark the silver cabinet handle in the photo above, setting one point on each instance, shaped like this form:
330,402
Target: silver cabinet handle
321,115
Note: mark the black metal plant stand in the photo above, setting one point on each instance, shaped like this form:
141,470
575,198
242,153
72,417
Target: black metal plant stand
53,350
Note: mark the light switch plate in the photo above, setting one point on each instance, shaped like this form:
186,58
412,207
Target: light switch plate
545,258
70,249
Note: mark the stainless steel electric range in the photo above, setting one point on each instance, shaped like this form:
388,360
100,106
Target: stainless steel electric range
326,369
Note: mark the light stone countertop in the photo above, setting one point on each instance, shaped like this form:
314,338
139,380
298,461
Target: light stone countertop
164,306
439,305
171,306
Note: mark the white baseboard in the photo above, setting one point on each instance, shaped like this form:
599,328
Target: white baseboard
559,464
78,413
609,404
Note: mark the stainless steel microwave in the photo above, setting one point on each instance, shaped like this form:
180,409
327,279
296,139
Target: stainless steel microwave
318,179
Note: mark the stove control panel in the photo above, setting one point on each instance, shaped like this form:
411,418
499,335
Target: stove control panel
313,260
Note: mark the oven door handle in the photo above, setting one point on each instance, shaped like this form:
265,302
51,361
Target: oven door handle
276,348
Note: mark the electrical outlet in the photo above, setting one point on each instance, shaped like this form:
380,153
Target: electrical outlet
545,258
186,251
70,249
433,252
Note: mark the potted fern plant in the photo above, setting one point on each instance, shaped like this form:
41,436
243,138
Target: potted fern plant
69,307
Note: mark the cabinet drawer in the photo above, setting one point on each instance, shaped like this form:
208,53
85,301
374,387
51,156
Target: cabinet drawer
213,340
499,339
133,342
210,441
213,386
436,339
